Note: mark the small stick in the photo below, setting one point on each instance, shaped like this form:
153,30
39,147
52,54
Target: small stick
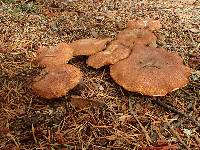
163,104
33,131
177,135
141,126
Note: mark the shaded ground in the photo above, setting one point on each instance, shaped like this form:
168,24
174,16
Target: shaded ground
125,120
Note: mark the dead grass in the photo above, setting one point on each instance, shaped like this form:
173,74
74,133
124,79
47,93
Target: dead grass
126,120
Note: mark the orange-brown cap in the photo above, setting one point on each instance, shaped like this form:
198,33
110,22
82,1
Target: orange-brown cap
149,24
131,36
112,54
89,46
56,82
150,71
54,56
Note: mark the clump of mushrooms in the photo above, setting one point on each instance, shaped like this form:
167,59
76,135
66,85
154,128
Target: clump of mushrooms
135,62
137,65
120,48
57,78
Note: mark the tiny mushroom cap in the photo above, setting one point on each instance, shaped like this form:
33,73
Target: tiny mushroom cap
112,54
56,82
150,71
89,46
54,56
149,24
129,37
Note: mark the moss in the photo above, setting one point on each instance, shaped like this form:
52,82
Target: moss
28,7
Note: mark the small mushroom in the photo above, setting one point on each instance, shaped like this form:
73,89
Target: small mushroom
149,24
150,71
54,56
113,53
89,46
56,82
131,36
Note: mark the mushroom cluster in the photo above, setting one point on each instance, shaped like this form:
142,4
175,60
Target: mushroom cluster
150,71
135,62
57,78
138,65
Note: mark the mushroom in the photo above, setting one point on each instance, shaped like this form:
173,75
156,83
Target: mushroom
121,47
89,46
54,56
150,71
112,54
56,82
131,36
149,24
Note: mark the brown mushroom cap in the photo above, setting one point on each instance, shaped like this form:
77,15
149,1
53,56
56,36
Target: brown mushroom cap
56,82
149,24
89,46
131,36
113,53
150,71
54,56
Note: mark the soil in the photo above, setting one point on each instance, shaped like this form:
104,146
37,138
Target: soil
104,116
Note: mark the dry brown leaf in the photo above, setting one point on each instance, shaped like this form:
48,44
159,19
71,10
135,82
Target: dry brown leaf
82,103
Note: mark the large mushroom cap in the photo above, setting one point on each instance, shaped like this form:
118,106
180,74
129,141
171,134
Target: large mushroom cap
150,71
129,37
89,46
56,82
54,56
112,54
149,24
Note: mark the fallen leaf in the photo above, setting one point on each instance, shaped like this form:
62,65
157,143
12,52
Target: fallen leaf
82,103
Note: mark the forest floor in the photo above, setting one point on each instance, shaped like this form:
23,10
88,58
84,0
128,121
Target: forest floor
121,119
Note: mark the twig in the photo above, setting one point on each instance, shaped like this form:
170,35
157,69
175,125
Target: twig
177,135
141,126
33,131
173,109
